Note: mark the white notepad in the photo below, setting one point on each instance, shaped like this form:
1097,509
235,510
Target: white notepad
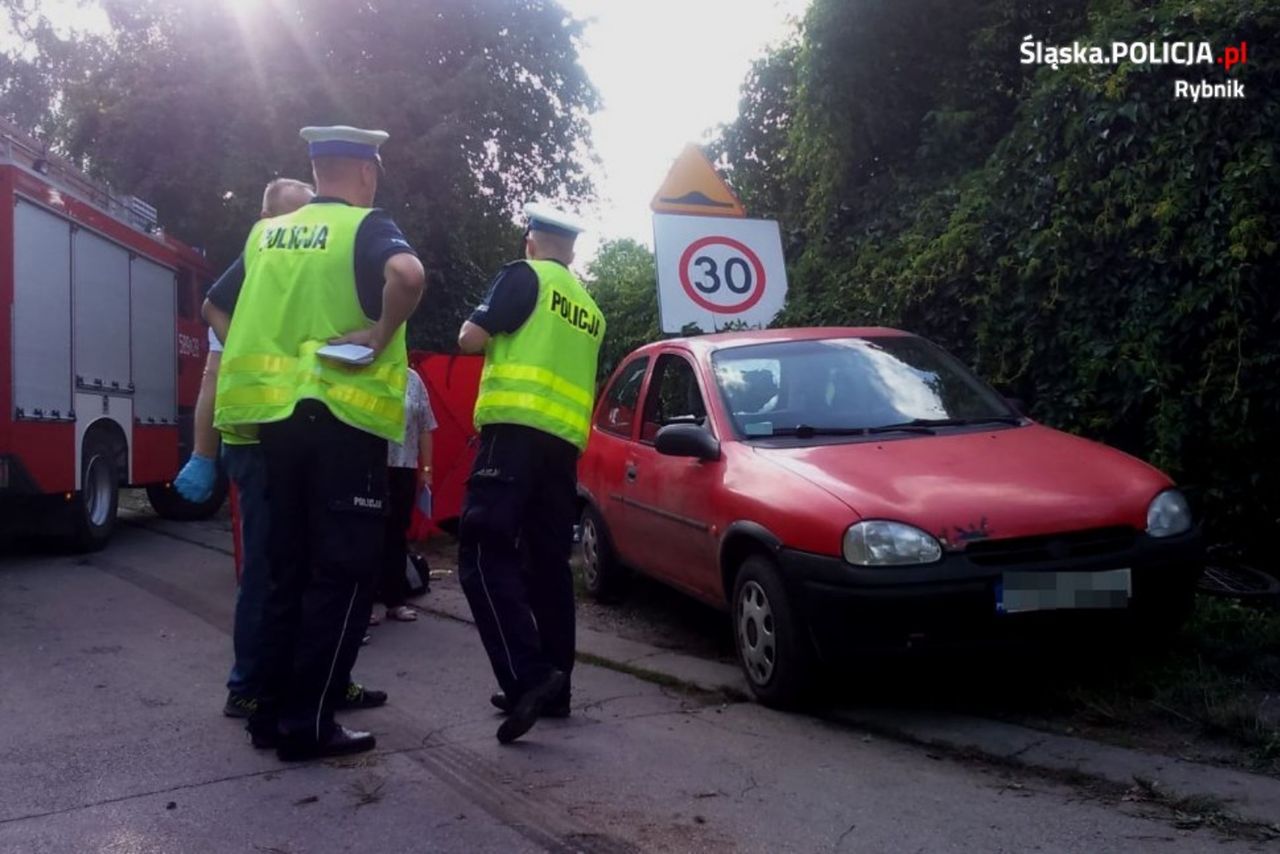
351,354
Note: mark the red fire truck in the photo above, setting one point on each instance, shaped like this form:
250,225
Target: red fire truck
101,349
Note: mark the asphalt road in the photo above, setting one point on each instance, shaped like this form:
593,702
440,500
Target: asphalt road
112,740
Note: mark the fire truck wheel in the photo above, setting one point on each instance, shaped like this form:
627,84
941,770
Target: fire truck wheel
168,504
94,508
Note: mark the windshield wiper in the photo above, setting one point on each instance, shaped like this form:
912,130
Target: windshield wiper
805,431
960,422
917,426
923,426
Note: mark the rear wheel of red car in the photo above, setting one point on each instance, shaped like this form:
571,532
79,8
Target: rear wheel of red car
773,644
602,575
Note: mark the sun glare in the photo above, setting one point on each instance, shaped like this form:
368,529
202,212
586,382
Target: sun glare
668,72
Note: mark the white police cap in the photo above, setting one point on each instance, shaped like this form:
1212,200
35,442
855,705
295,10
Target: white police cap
343,141
543,217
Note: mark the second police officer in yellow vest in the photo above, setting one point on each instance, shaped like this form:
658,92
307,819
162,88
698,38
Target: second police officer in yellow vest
335,271
540,332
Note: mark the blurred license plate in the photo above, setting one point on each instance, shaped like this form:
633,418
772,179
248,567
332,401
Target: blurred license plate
1050,591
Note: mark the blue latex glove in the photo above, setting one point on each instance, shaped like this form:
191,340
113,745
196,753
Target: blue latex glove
196,480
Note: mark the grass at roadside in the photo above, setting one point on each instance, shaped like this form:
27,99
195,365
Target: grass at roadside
1217,685
1211,695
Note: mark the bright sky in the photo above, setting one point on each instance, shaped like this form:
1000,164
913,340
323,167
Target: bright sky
668,72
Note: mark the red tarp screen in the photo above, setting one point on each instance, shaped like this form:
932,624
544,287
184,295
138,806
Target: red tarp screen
452,383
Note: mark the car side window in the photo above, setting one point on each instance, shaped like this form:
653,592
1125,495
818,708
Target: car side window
619,411
673,398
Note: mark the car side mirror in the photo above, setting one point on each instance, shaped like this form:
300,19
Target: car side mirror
687,440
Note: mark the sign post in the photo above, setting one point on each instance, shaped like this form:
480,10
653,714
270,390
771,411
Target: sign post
715,267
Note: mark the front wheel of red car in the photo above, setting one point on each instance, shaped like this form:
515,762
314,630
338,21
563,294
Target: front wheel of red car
772,642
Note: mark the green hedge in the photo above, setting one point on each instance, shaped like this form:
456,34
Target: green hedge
1113,259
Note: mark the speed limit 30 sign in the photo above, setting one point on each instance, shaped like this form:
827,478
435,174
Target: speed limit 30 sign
716,270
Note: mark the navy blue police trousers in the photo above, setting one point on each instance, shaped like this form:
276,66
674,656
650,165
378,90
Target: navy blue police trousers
327,496
515,537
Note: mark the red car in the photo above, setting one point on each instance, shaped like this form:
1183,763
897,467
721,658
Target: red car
840,489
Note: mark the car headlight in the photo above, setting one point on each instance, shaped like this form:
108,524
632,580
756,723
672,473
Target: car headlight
1168,514
877,543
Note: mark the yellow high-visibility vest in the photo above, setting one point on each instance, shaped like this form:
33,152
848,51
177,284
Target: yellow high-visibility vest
299,292
544,374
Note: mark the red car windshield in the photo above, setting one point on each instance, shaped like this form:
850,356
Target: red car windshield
850,386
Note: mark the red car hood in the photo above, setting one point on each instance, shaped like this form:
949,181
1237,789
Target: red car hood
991,484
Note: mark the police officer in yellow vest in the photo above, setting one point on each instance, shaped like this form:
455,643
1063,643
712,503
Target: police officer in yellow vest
540,332
315,366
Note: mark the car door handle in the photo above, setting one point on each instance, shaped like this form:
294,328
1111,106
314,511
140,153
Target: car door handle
632,473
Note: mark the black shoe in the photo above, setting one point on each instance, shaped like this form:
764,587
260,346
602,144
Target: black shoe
551,710
360,697
341,742
239,706
529,707
262,732
264,739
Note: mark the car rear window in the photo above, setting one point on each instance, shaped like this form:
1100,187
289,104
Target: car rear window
619,411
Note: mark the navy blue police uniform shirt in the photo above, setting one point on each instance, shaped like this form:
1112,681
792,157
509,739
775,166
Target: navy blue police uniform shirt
511,299
377,240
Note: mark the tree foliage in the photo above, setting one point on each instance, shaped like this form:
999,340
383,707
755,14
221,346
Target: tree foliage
623,281
756,147
194,106
1077,234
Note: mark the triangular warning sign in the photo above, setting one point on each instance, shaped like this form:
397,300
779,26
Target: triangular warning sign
692,187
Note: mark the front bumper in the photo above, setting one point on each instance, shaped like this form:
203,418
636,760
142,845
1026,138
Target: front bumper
954,600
